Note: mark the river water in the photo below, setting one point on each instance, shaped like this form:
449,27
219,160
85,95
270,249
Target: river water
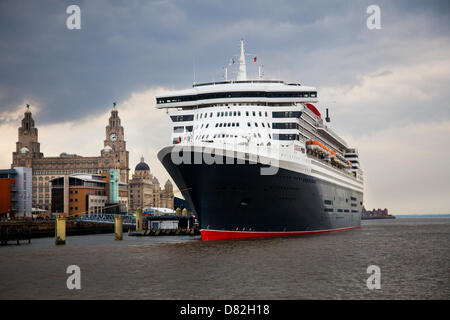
413,256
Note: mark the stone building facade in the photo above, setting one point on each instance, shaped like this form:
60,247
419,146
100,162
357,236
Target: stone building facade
114,156
145,190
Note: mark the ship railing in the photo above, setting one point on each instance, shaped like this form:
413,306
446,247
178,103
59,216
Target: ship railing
268,150
330,166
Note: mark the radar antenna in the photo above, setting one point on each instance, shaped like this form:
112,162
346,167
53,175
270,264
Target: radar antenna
242,73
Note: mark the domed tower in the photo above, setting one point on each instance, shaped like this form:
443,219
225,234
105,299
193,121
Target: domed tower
167,195
142,170
28,147
140,186
168,187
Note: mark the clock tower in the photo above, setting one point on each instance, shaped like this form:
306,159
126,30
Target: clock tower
115,152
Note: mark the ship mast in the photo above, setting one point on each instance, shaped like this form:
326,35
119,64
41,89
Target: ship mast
242,73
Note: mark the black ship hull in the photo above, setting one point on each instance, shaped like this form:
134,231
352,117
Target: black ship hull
234,201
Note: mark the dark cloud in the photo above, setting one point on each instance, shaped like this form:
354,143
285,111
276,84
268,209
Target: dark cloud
127,46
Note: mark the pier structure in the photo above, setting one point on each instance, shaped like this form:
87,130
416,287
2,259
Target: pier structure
60,230
15,231
118,227
139,220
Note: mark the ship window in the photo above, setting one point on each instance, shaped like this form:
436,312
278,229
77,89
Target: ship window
259,135
248,124
254,113
210,115
260,114
268,124
221,114
353,198
217,125
262,123
220,125
328,202
189,128
270,137
286,137
233,124
266,113
218,114
246,113
286,114
239,113
237,124
178,129
287,125
220,95
234,113
187,117
207,125
328,210
229,124
346,210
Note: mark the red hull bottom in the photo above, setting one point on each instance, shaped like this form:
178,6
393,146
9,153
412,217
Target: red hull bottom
212,235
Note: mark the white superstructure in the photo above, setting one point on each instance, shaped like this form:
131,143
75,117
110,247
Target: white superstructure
264,117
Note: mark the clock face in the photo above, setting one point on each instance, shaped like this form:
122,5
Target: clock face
113,137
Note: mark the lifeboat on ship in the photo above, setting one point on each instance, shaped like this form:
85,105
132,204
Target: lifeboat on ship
318,147
332,155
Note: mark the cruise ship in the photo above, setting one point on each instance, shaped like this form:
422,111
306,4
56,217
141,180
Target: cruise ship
256,158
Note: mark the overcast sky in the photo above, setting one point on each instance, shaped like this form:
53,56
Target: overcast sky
387,90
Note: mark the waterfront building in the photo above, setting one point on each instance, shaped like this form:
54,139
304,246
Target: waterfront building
145,190
114,156
15,192
375,212
78,194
